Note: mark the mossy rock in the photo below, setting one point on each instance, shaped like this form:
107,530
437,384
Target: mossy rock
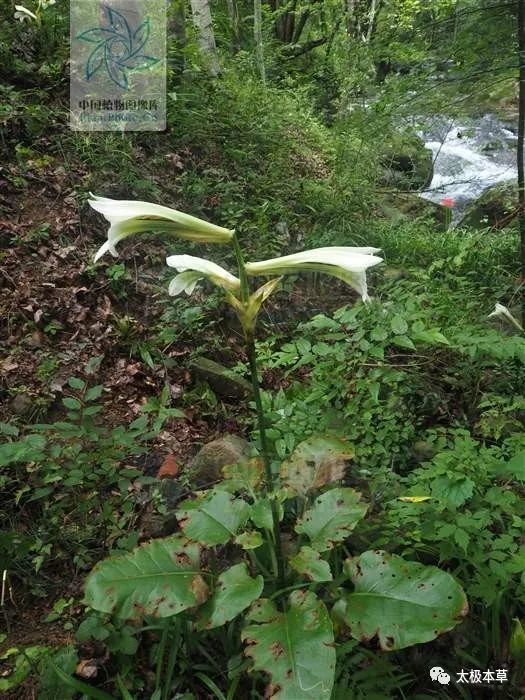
406,206
407,162
206,467
221,379
495,208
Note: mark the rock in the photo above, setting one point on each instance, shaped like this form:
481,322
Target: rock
495,208
495,145
221,379
206,466
21,404
423,451
407,206
408,163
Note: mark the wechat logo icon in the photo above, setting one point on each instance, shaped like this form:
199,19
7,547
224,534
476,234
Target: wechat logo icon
440,675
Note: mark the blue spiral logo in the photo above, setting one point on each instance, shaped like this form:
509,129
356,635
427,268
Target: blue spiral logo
119,48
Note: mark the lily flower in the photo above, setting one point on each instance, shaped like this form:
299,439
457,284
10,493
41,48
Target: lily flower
129,217
502,311
193,269
346,263
22,13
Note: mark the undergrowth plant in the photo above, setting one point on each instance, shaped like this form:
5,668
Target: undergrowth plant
265,554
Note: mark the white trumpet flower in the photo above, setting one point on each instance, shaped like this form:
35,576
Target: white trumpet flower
22,13
129,217
193,269
346,263
503,312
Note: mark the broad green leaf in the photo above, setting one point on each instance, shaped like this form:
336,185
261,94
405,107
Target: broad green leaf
402,602
309,563
296,647
249,540
454,490
245,476
214,519
514,468
72,403
25,660
332,518
234,592
76,383
261,510
51,687
160,578
261,514
314,463
403,341
398,325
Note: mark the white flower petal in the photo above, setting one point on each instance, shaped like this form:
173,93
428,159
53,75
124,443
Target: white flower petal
184,282
346,263
206,268
128,217
106,247
500,310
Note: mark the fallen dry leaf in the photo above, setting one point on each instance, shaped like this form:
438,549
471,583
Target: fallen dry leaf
169,468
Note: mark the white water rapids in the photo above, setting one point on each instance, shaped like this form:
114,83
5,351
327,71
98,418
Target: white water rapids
468,158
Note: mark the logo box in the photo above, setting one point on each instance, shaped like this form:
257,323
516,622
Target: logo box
118,65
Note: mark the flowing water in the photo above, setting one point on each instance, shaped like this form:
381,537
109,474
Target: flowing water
468,158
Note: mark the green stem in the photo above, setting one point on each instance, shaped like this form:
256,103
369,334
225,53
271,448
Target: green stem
265,451
161,650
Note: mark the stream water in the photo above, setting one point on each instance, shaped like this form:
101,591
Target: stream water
469,157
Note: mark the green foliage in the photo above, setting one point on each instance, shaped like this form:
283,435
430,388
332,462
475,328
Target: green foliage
69,479
177,578
332,518
284,644
401,602
473,518
160,578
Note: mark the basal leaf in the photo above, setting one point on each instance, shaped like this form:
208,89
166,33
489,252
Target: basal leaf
214,519
249,540
295,647
401,602
314,463
245,476
234,592
308,562
514,468
160,578
332,518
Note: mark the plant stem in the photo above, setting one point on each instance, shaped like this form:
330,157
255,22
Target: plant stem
161,650
265,452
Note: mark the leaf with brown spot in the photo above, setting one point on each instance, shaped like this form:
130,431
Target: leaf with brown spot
214,518
234,592
295,647
314,463
401,602
332,517
308,562
134,584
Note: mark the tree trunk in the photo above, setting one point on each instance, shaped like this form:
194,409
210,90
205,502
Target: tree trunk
177,34
257,32
521,135
201,13
234,19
